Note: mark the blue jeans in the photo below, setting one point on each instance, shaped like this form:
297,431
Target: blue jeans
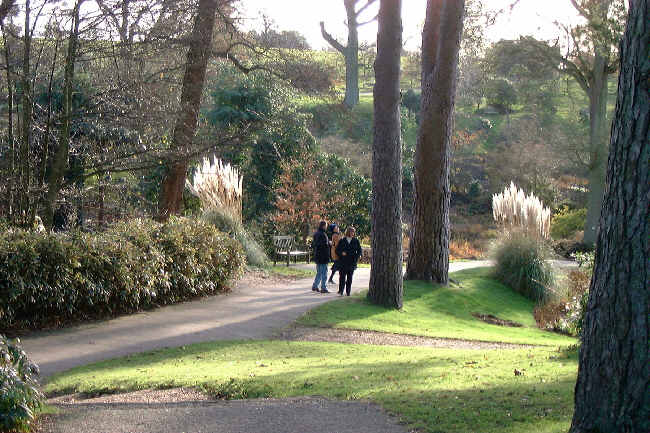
321,276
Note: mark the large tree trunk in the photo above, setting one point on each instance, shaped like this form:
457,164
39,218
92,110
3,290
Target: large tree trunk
612,391
386,270
171,193
428,258
351,57
598,128
60,158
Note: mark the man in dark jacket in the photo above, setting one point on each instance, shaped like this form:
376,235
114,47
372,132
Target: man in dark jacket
321,246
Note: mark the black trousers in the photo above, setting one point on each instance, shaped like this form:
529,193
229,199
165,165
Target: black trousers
345,280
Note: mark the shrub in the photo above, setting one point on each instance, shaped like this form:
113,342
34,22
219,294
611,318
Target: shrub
567,315
50,279
521,263
255,255
19,393
566,223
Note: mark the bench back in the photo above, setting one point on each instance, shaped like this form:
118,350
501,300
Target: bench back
283,243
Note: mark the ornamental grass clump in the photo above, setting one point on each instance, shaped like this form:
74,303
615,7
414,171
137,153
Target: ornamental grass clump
219,186
513,209
521,254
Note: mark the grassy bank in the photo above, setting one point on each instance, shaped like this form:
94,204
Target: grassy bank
444,312
434,390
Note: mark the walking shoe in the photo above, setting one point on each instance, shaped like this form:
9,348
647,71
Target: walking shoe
340,293
314,289
324,291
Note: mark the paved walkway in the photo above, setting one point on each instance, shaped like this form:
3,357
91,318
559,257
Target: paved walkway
245,313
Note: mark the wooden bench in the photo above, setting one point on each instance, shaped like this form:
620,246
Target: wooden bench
284,248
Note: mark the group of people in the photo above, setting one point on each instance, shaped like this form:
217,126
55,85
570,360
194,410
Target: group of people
344,251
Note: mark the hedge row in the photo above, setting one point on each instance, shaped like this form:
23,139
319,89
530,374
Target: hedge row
50,279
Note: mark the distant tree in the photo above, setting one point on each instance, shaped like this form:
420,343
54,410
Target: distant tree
501,95
612,393
350,51
591,58
287,39
429,244
386,287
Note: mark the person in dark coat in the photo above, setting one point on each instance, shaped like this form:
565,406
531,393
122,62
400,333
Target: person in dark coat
349,251
321,246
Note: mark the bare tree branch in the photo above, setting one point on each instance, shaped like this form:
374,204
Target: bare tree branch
333,42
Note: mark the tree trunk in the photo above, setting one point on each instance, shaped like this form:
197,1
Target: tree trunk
597,144
26,137
60,157
197,60
10,123
386,270
351,57
428,258
612,390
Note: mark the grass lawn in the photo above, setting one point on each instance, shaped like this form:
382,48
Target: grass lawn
434,390
293,271
443,312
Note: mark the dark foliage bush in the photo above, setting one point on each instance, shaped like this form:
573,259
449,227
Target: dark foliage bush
19,393
52,279
521,262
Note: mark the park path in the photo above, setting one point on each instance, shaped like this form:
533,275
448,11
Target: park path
256,311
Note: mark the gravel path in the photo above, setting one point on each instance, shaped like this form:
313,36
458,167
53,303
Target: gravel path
352,336
295,415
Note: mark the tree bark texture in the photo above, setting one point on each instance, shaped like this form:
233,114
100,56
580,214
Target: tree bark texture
60,158
428,258
612,392
198,54
386,270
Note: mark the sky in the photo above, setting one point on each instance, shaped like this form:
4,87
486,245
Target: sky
529,17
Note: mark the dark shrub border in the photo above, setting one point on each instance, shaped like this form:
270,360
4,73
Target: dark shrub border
53,279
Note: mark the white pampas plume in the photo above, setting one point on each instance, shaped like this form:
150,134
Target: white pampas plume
219,186
514,209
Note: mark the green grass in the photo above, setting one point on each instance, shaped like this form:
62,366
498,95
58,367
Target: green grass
433,390
293,271
443,312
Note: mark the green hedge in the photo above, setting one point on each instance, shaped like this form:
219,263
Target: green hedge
19,393
53,279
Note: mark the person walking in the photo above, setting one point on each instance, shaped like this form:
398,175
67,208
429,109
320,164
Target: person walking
349,251
336,237
321,246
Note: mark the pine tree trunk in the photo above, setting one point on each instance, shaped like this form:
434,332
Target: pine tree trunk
428,258
386,270
612,392
198,54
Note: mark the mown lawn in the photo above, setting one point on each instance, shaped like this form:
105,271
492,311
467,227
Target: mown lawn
444,312
434,390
